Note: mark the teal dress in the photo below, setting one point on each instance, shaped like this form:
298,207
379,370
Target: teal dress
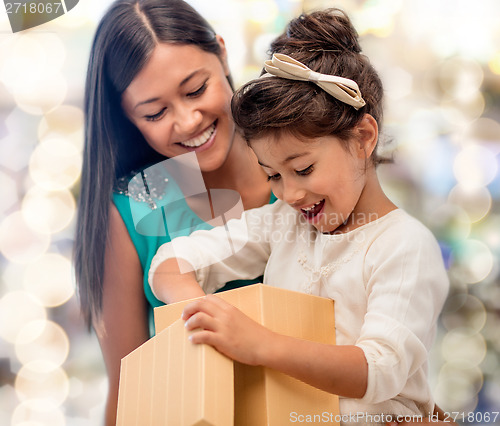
154,211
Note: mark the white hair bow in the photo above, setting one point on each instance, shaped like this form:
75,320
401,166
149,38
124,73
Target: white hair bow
341,88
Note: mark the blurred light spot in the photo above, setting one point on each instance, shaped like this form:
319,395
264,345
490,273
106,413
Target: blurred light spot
377,17
476,201
17,145
475,166
51,344
491,363
435,172
452,221
55,164
6,104
22,59
31,331
41,95
17,309
18,242
86,14
42,380
464,311
30,69
53,47
484,130
262,11
461,78
76,387
462,345
494,63
48,211
471,373
475,260
37,413
455,391
489,231
49,279
9,192
397,82
65,121
456,111
260,51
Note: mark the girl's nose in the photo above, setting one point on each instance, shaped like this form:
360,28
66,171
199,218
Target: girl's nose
292,193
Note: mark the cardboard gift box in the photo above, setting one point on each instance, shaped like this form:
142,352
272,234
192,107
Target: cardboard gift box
170,381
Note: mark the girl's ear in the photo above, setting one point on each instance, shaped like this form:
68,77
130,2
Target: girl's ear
367,131
223,54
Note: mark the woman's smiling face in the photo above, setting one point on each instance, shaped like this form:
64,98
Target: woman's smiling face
180,101
318,177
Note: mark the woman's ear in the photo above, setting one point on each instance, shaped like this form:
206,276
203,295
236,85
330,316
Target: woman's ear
223,54
367,133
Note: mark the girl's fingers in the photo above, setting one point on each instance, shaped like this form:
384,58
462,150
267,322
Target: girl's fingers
203,337
200,305
216,300
200,320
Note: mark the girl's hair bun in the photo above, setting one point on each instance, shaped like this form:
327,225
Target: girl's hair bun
327,30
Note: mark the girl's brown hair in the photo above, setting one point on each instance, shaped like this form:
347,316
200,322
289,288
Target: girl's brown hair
326,42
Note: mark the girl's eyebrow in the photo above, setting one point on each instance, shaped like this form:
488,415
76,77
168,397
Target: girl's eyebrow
289,158
182,83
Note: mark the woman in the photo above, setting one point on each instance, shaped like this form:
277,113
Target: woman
158,86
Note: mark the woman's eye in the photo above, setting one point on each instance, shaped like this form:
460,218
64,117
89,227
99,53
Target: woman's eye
198,92
155,117
305,171
274,177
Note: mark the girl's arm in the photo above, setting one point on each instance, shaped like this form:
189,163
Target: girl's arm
341,370
123,325
210,258
173,286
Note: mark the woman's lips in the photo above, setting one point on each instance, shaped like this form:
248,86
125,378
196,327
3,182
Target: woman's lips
201,142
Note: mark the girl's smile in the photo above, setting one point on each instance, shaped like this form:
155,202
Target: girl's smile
313,213
330,182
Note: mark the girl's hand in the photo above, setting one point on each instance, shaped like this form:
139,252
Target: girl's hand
227,329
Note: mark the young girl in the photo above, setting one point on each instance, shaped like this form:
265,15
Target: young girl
313,121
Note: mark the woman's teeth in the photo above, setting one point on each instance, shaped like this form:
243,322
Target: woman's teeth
200,140
307,209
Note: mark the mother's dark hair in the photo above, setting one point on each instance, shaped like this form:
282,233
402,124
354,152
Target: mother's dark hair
123,43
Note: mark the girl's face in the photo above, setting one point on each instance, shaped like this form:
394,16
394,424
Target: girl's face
317,177
180,101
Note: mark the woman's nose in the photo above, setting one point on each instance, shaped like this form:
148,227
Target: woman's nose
187,121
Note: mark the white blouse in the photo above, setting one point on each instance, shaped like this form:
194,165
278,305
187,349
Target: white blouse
387,279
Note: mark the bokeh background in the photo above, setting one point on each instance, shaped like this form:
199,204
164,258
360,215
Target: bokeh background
440,62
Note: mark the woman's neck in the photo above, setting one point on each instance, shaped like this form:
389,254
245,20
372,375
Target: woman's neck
242,173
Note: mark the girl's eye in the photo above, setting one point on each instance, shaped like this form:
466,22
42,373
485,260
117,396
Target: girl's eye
274,177
305,171
198,92
155,117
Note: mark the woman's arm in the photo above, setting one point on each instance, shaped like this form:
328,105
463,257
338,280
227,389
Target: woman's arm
337,369
123,325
